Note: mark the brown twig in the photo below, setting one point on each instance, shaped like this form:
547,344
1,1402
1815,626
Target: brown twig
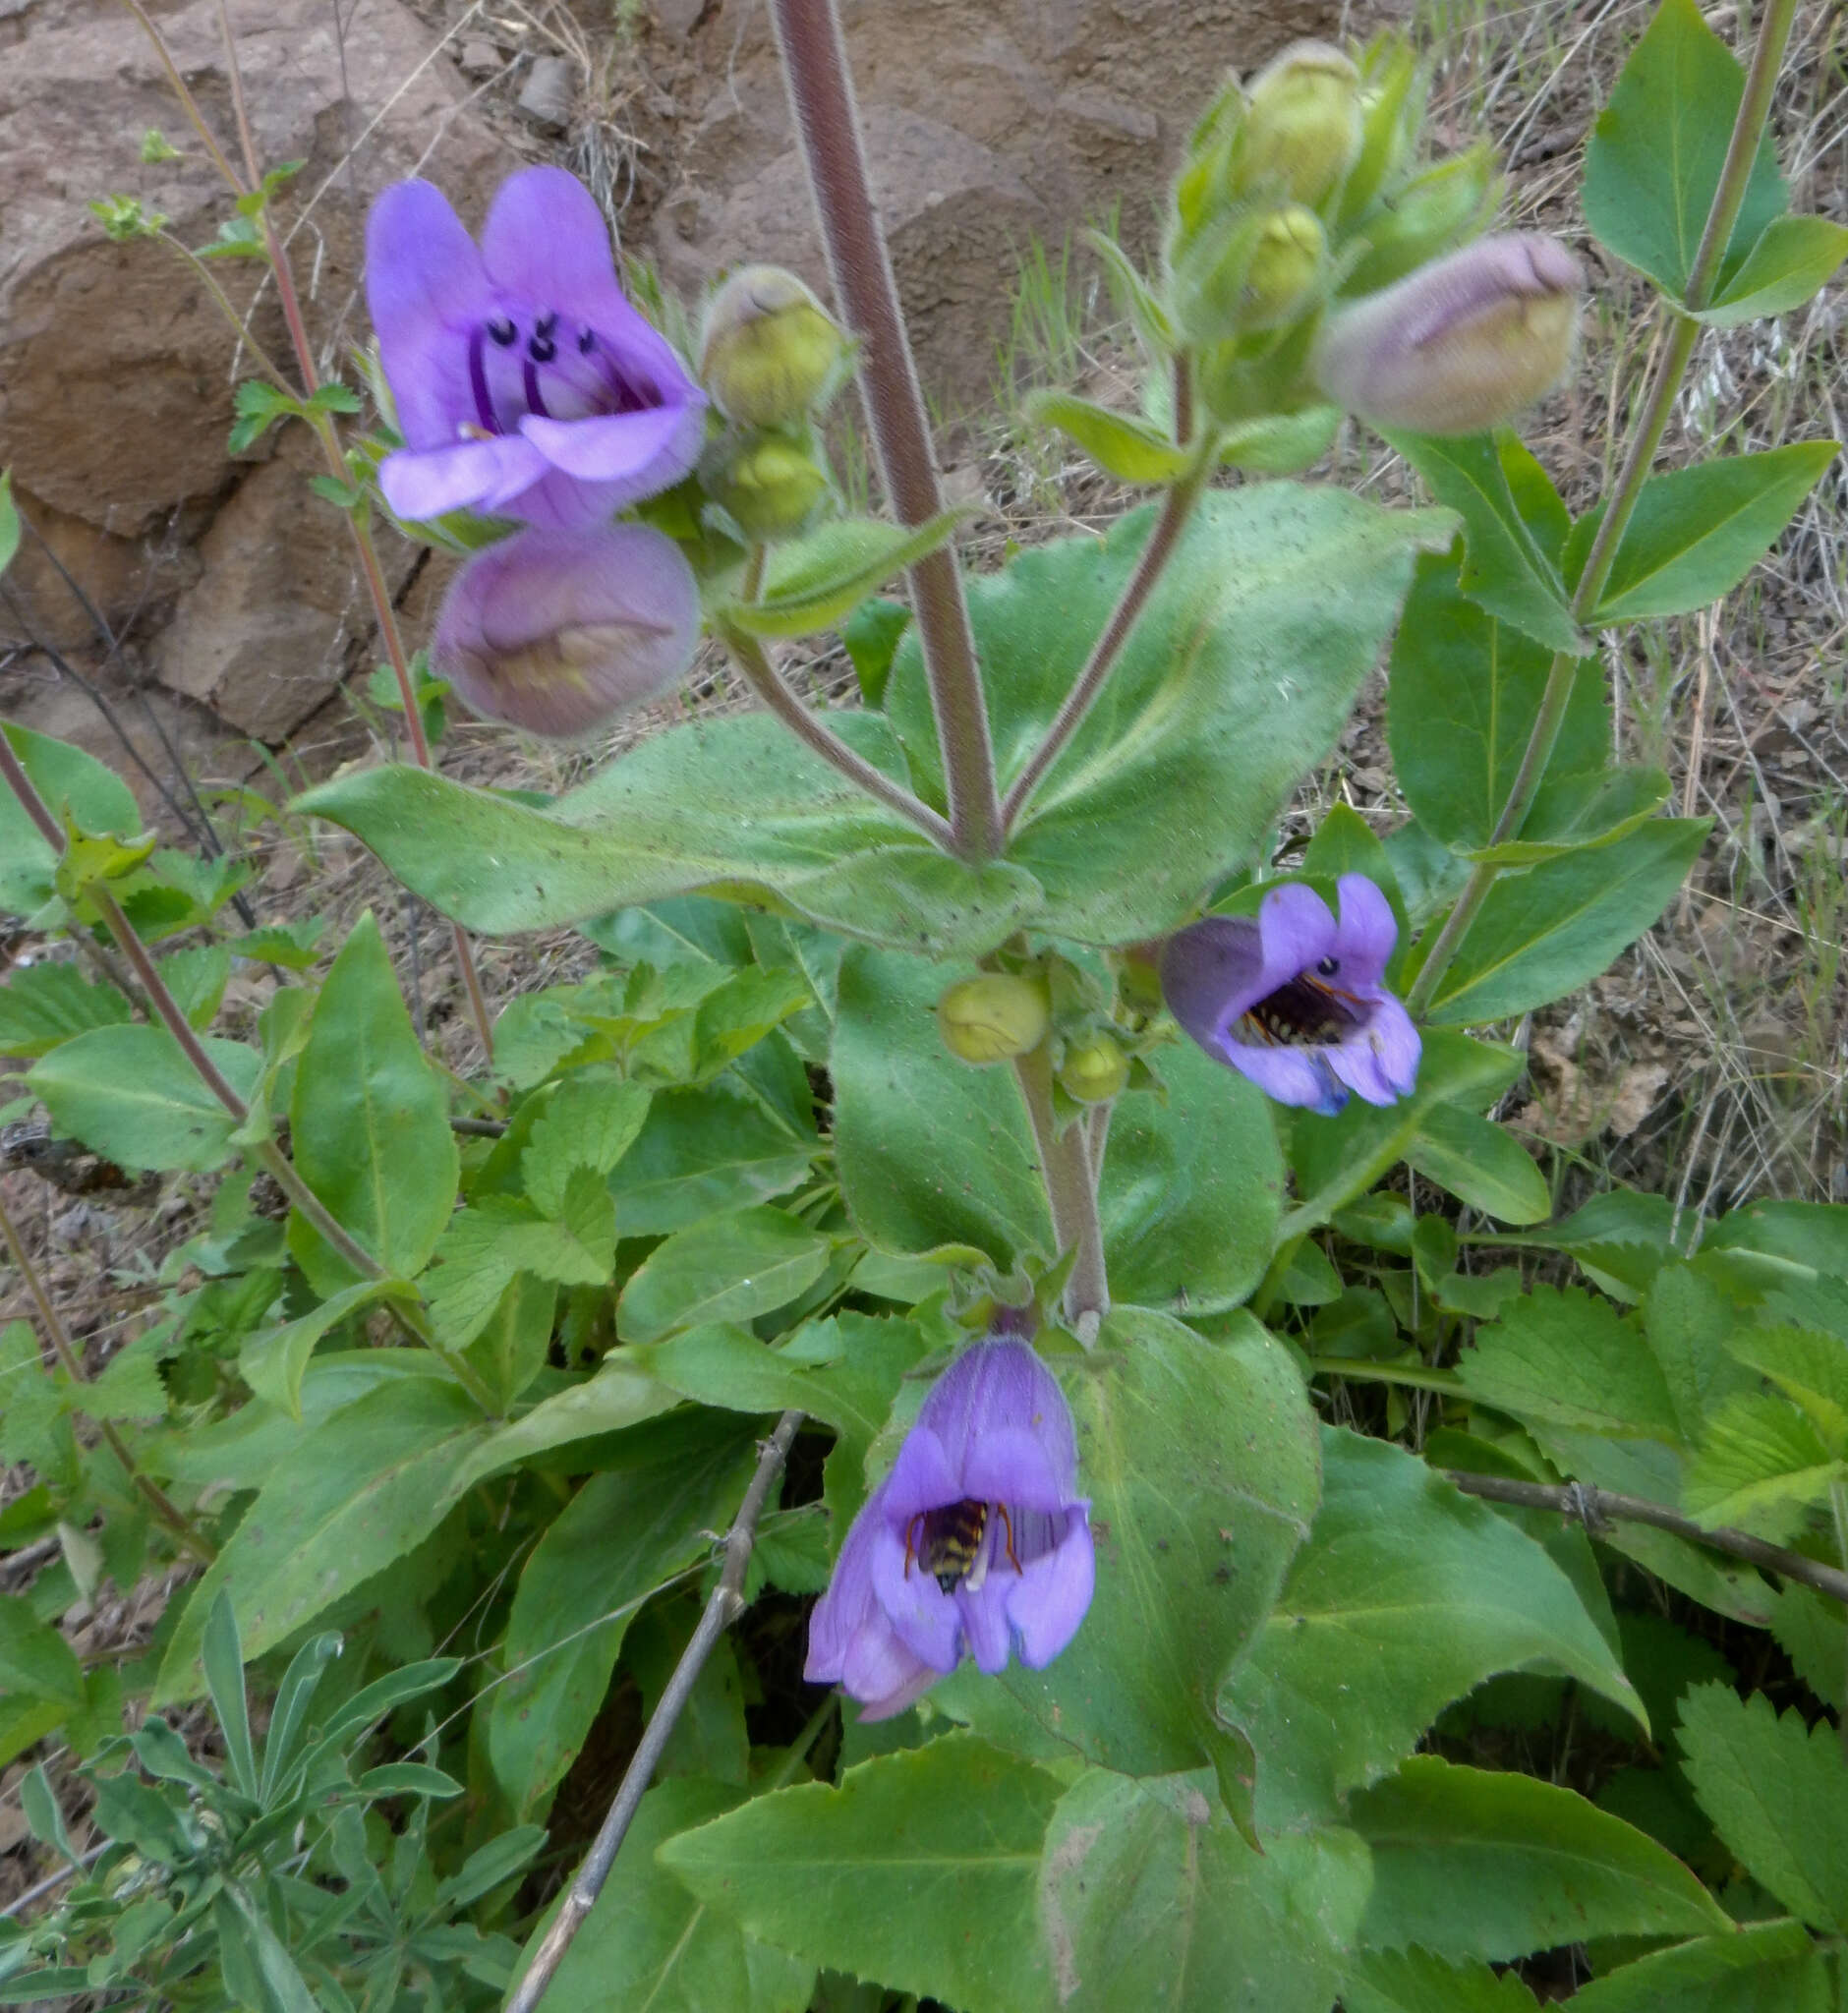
1591,1507
721,1610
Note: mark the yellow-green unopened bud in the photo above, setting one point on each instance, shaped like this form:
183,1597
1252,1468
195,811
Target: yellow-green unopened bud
769,487
769,350
1304,130
1286,265
1094,1071
994,1018
1258,271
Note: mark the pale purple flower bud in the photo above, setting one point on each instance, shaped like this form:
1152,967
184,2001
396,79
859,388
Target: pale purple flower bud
559,631
1460,345
1292,998
977,1542
526,385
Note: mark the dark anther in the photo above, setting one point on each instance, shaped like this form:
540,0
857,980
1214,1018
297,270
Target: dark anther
502,332
541,349
588,341
546,324
1328,966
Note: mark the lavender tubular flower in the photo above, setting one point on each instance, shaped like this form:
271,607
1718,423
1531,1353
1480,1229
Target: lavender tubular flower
559,631
976,1541
1460,345
1292,998
526,385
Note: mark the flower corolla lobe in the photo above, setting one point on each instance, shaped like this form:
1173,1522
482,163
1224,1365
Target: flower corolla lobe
526,385
1292,997
977,1541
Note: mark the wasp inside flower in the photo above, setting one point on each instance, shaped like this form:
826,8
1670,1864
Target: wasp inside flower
526,385
977,1541
1292,998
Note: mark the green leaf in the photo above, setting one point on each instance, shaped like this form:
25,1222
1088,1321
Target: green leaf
1149,1897
932,1152
1656,151
729,1267
346,1499
1479,1164
1689,1322
1698,532
886,1875
43,1005
1504,569
1235,681
370,1120
625,1533
1281,443
1532,1866
1428,1592
815,580
870,636
1762,1464
1756,1967
1465,693
196,979
1416,1982
488,1244
734,806
272,1363
591,1124
35,1658
1792,262
1777,1794
1809,1369
9,521
649,1942
78,790
129,1387
1200,1461
130,1094
222,1656
1571,1360
1122,444
619,1393
704,1152
1543,934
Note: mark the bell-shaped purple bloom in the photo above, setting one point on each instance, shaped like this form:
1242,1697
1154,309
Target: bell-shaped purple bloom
526,385
978,1540
1292,998
559,631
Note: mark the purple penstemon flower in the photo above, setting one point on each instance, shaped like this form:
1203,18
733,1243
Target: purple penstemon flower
526,385
1292,998
976,1541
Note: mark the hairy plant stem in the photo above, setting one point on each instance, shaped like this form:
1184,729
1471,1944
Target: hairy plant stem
724,1607
1177,508
1070,1190
162,1504
821,99
1591,1506
1652,423
808,726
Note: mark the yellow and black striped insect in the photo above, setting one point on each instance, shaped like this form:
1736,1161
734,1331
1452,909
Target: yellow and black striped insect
1303,1012
947,1542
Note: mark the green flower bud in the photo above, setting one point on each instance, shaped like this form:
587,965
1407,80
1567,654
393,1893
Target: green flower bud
769,487
1462,344
1303,130
1094,1071
1256,273
1441,208
995,1017
1138,969
768,351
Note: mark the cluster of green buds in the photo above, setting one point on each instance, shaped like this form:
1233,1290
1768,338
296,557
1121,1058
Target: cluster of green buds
771,358
1302,197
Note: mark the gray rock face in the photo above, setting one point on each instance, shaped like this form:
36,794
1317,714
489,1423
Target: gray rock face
117,368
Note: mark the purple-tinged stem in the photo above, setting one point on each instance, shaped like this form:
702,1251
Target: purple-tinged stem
821,98
1070,1190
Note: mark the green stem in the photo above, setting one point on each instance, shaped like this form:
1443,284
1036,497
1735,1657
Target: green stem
1414,1377
1838,1505
821,99
1658,405
1177,508
808,726
1070,1192
163,1506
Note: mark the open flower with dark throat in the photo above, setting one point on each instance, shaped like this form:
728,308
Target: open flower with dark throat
977,1541
525,384
1292,998
559,631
